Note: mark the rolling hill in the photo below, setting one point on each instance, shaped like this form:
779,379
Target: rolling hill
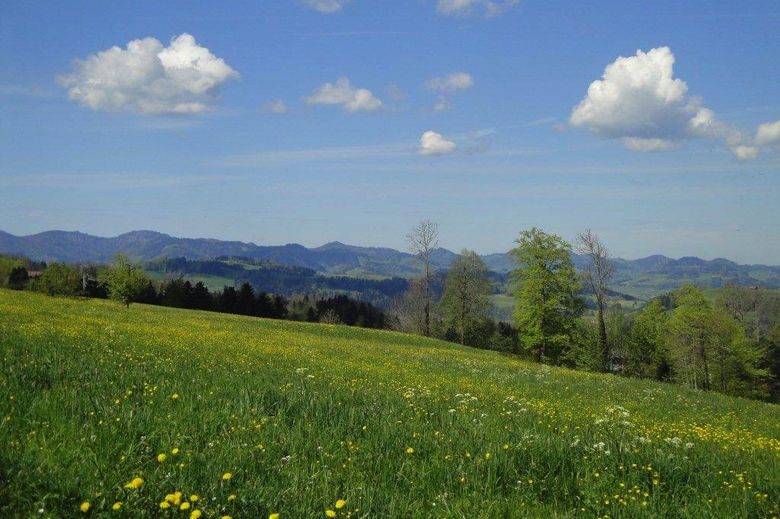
642,278
115,412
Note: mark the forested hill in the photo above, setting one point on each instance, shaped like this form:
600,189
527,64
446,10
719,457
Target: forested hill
643,277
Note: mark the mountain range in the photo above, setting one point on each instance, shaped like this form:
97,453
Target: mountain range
643,277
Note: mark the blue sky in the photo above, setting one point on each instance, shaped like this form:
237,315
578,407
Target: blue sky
656,125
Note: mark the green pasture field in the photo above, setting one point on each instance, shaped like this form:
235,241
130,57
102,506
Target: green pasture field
158,412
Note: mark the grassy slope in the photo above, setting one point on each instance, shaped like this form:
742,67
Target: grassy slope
302,415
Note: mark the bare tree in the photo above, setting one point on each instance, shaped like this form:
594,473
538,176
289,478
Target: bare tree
597,276
408,309
423,239
330,316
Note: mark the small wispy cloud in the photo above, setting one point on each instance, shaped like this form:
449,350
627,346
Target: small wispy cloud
488,8
343,93
274,107
442,104
451,83
545,121
768,134
24,91
344,153
327,6
106,180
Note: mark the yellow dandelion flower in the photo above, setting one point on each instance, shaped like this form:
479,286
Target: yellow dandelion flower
184,506
175,451
174,498
164,505
194,497
231,497
195,514
228,517
330,513
84,506
135,483
226,476
175,396
161,457
272,516
409,450
340,503
116,506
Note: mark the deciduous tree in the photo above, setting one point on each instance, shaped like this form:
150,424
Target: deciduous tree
465,301
423,239
125,281
60,279
596,277
547,294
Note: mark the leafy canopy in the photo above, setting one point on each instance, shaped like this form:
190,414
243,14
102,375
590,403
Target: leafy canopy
125,281
547,294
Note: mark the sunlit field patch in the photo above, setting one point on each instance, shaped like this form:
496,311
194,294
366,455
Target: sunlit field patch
156,412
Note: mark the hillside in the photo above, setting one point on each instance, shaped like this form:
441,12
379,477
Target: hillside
643,278
128,412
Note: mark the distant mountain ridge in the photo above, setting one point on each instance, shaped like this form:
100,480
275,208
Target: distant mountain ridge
642,277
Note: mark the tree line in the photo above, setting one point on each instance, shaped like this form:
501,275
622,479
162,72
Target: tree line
728,343
126,282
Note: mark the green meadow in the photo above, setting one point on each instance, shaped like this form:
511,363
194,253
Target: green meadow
107,411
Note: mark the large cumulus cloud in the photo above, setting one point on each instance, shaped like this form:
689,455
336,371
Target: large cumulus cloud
639,101
147,77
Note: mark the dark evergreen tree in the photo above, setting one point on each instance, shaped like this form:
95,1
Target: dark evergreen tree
228,300
279,307
177,293
264,305
18,277
148,295
201,297
246,303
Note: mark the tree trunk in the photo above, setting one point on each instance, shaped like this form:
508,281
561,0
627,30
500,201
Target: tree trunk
603,347
706,383
427,330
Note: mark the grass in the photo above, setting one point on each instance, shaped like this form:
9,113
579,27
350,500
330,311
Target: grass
93,396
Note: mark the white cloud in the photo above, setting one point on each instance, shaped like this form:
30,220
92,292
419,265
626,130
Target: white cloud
441,104
640,144
432,143
327,6
468,7
768,133
146,77
744,152
451,83
275,107
343,93
639,101
637,97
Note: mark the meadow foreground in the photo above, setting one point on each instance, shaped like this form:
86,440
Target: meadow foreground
157,412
